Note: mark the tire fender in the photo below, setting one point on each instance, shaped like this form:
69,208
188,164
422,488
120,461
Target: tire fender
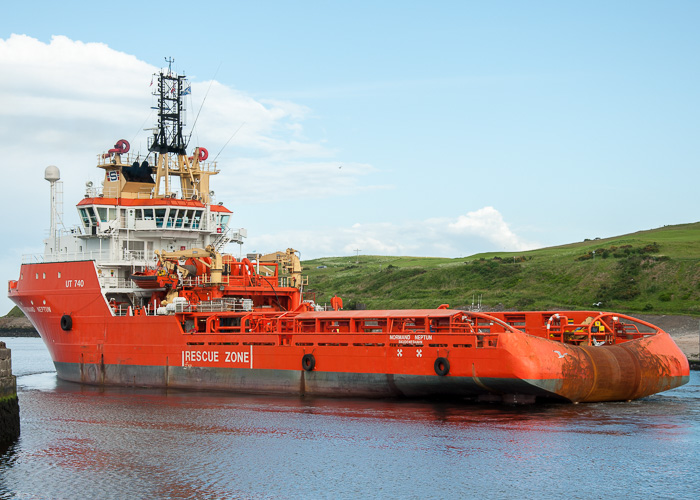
442,366
66,323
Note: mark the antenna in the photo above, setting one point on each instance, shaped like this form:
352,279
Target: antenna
201,106
229,140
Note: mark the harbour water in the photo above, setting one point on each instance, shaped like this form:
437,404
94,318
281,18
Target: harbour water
83,442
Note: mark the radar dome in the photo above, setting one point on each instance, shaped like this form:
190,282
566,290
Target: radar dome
52,174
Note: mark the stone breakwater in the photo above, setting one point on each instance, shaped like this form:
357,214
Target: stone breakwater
17,327
9,405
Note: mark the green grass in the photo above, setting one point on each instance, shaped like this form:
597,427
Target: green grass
656,271
15,313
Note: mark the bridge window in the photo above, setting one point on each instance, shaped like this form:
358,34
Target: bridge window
148,213
179,218
160,216
92,214
85,217
187,219
171,217
105,214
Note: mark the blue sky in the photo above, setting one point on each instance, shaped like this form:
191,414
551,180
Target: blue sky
399,128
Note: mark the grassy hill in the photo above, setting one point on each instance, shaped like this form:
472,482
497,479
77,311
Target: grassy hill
656,271
14,313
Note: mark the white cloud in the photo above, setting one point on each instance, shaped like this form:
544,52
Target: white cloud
483,230
68,101
64,102
488,223
65,78
262,180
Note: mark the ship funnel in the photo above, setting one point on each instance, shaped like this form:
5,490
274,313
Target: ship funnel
52,174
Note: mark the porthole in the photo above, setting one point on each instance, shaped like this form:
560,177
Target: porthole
59,274
44,275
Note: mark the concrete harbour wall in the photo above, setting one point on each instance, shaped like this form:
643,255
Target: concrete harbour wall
9,405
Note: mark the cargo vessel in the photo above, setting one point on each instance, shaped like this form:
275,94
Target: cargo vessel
142,293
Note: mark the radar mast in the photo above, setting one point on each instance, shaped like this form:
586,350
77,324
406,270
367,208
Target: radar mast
169,145
168,136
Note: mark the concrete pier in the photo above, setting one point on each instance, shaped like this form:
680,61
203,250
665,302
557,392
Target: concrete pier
9,405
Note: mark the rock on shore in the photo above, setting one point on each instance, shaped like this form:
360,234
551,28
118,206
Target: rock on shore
17,327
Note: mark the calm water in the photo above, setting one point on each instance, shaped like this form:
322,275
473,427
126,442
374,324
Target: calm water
80,442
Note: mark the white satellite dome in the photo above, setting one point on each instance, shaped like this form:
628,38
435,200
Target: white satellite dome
52,174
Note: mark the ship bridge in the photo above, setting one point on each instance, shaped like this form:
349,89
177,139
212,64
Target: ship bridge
158,201
122,234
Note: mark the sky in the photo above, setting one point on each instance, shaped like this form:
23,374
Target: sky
435,128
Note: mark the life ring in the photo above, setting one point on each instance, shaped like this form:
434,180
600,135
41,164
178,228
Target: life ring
308,362
203,154
442,366
552,318
66,323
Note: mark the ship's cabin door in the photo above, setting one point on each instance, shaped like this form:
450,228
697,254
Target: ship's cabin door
130,218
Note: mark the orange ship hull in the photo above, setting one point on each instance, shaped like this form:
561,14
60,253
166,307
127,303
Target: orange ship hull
513,357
